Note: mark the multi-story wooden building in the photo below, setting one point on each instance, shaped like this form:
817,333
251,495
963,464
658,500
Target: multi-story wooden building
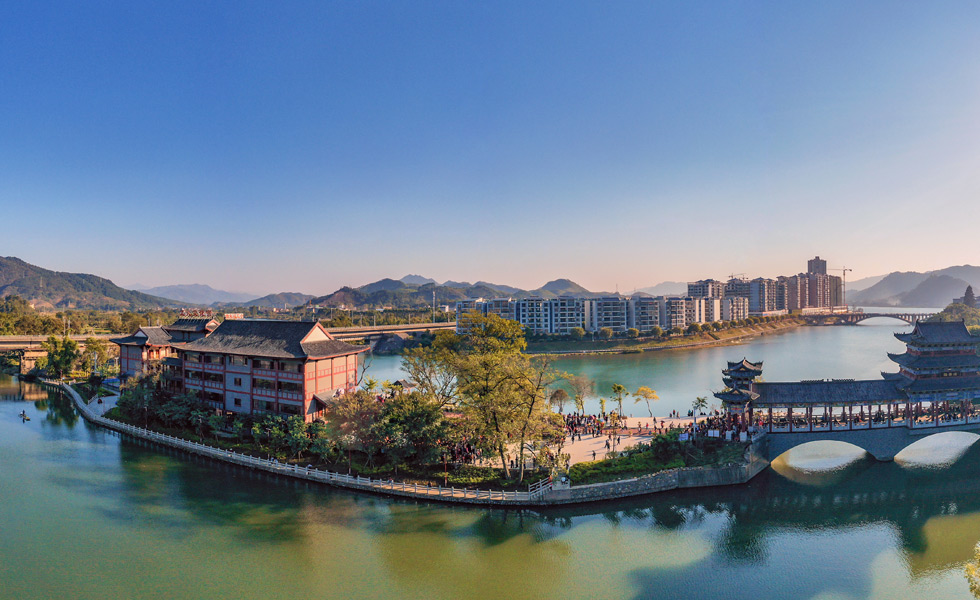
267,366
149,346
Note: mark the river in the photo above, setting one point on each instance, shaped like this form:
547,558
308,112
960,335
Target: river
85,513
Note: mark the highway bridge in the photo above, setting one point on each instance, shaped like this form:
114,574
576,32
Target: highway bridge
364,333
12,343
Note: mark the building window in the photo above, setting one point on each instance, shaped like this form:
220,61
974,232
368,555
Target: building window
238,401
263,384
259,363
290,386
192,358
238,361
238,382
214,360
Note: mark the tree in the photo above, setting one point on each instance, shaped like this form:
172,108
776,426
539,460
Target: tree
969,299
413,428
577,333
700,403
297,435
632,333
558,398
645,394
656,331
353,418
694,328
619,391
605,333
62,355
96,353
582,386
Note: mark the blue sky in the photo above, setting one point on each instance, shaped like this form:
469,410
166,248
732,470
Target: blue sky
304,146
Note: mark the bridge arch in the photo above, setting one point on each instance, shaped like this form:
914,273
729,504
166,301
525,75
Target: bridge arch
907,318
938,449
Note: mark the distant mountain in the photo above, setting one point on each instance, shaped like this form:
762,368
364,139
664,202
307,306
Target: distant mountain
383,285
287,299
936,291
416,280
863,283
913,289
47,289
666,288
389,292
561,287
196,293
508,290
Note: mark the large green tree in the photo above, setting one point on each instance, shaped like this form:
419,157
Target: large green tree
62,354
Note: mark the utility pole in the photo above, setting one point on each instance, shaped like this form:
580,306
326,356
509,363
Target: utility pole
433,306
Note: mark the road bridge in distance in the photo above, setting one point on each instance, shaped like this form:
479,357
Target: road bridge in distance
14,343
366,333
853,318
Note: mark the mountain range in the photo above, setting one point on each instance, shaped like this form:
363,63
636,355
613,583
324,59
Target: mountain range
196,293
416,291
931,289
49,290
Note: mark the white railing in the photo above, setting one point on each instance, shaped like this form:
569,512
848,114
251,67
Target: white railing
535,491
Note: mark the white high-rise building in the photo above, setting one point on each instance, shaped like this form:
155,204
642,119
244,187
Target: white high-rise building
567,313
643,313
610,312
534,314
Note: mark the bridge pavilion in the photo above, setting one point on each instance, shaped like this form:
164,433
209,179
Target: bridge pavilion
937,384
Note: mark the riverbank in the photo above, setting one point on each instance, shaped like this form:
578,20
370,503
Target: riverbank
722,337
546,493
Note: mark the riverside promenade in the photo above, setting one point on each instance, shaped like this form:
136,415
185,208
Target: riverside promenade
544,493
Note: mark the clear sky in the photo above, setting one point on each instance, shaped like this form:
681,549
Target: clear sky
301,146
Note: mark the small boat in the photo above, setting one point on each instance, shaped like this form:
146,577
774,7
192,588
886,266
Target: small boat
23,415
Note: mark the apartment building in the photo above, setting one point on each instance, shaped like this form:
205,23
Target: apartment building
706,288
567,313
734,308
611,312
534,314
643,312
712,309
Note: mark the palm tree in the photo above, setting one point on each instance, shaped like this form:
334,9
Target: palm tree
619,391
700,403
645,394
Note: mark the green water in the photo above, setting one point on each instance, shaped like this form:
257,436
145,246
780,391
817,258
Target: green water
85,513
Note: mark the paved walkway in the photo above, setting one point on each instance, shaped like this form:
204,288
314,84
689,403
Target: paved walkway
108,403
637,432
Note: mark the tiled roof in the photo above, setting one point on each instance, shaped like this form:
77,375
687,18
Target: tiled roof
744,365
269,338
834,391
192,325
914,361
946,332
737,396
940,384
155,336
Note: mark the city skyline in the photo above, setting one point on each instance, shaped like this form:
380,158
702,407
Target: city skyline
305,148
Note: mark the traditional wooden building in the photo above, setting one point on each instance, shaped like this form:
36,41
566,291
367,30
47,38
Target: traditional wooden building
268,366
149,346
937,383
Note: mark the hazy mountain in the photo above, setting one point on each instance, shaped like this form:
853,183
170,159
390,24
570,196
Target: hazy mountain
910,288
508,290
863,283
936,291
666,288
287,299
197,293
48,289
389,292
416,280
382,285
561,287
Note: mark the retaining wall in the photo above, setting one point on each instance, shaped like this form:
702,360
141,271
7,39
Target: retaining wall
536,496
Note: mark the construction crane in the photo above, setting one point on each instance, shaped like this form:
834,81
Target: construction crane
843,285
